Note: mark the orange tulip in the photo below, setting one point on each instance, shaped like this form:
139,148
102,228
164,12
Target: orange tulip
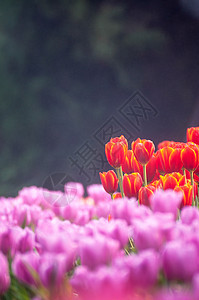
145,194
190,156
143,150
193,135
116,150
109,181
131,184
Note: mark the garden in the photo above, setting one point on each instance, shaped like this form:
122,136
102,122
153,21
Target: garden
134,236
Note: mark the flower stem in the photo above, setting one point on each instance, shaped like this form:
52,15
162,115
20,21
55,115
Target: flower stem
184,173
120,177
144,174
192,183
112,196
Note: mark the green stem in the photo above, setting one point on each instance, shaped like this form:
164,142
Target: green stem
112,196
197,197
184,173
120,177
144,174
192,183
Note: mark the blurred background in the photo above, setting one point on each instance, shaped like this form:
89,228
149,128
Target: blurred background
66,67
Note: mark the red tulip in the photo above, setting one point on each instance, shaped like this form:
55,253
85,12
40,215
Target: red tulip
109,181
150,168
116,151
193,135
132,165
117,196
190,156
187,191
143,150
157,184
128,165
145,194
131,184
168,181
183,181
168,160
171,144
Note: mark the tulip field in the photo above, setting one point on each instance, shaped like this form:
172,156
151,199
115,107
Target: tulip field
135,236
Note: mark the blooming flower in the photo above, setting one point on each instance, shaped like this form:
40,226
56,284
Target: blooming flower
190,156
143,150
131,184
109,181
193,135
116,150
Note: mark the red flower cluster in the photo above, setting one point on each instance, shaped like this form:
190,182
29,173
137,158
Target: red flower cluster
175,165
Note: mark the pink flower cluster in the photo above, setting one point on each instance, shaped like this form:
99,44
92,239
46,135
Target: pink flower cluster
73,250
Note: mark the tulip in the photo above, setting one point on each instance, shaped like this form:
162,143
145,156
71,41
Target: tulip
190,156
109,181
157,184
117,196
98,250
166,202
128,165
25,267
168,160
187,191
145,194
116,150
4,274
97,193
193,135
165,144
189,214
171,144
143,150
26,241
150,168
52,269
180,260
131,184
169,181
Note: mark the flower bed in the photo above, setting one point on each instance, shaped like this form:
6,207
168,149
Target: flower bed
141,243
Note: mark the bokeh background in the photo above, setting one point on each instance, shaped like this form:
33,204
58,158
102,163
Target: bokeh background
67,66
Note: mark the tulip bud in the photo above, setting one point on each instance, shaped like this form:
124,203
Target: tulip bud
131,184
193,135
128,165
187,191
190,156
109,181
25,267
116,151
180,260
4,274
143,150
144,195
